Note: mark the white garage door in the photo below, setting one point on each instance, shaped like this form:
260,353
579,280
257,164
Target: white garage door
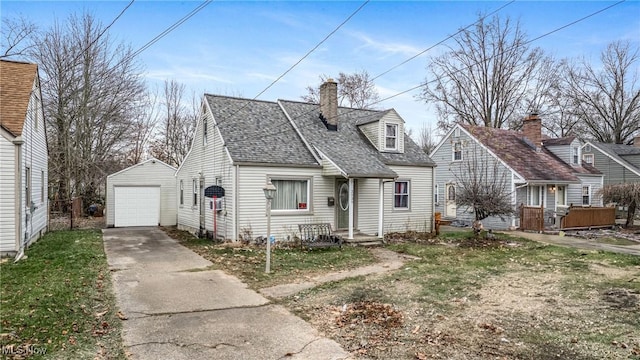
137,206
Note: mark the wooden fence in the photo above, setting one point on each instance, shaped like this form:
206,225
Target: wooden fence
589,217
531,218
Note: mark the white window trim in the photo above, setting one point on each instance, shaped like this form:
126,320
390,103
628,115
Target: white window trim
309,209
575,155
582,195
584,156
435,195
408,208
194,198
540,195
453,151
205,131
181,193
396,137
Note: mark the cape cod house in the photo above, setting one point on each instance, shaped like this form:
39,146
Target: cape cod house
23,158
354,169
535,172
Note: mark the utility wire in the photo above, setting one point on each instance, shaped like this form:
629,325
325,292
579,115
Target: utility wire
299,61
442,41
263,135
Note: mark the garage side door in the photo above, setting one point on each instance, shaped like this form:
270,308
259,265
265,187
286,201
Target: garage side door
137,206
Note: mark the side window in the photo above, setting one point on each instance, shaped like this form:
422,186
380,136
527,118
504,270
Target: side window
401,195
457,151
195,192
205,131
181,192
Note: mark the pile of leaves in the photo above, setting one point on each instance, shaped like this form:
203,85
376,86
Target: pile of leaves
368,325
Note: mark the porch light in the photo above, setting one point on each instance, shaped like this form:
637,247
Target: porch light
269,194
552,188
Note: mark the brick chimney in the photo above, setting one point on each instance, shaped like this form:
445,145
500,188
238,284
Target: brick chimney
329,104
532,129
636,141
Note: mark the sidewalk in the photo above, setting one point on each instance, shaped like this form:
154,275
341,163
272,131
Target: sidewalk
569,241
179,309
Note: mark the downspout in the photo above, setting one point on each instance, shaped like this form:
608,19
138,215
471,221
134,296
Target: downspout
235,203
18,188
433,203
381,209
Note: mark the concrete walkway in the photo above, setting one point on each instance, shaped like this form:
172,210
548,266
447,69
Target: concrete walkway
178,309
575,242
569,241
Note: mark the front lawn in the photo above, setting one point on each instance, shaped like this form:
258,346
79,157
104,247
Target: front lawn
58,301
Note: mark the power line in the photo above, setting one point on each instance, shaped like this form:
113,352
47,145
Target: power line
300,60
442,41
262,135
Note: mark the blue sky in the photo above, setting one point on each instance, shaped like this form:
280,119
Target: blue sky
239,48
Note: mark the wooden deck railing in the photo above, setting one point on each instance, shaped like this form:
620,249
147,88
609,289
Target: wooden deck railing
531,218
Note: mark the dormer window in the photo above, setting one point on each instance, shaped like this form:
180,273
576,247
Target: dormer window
391,137
575,155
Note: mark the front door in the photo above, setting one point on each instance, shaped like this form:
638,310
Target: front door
342,203
450,202
561,197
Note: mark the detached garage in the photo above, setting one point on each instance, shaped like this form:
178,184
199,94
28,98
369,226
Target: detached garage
142,195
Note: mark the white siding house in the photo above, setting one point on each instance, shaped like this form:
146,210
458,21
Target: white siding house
142,195
23,158
532,172
354,169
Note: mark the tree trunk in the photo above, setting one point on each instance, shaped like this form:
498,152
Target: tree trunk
631,213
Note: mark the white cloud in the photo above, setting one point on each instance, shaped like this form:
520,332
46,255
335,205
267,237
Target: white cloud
386,48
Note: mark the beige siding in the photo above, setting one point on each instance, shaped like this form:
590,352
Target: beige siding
372,132
7,194
420,214
147,173
211,162
252,204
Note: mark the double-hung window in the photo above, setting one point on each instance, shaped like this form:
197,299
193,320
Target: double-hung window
575,155
588,158
195,192
457,151
291,194
536,194
181,192
391,137
401,195
205,131
586,195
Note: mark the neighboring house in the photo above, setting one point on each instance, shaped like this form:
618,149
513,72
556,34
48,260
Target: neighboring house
620,164
142,195
355,169
23,158
537,173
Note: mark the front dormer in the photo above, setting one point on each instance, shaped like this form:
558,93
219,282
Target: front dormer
387,133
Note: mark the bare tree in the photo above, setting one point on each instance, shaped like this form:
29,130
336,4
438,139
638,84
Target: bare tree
624,195
606,98
91,90
426,138
17,37
488,77
143,123
559,114
178,123
355,90
483,185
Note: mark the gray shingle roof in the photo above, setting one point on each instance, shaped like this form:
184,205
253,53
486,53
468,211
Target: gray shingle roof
347,147
618,151
258,132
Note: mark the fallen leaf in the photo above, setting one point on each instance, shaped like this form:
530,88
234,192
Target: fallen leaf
121,315
416,329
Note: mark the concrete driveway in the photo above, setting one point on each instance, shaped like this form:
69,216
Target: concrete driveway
179,309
